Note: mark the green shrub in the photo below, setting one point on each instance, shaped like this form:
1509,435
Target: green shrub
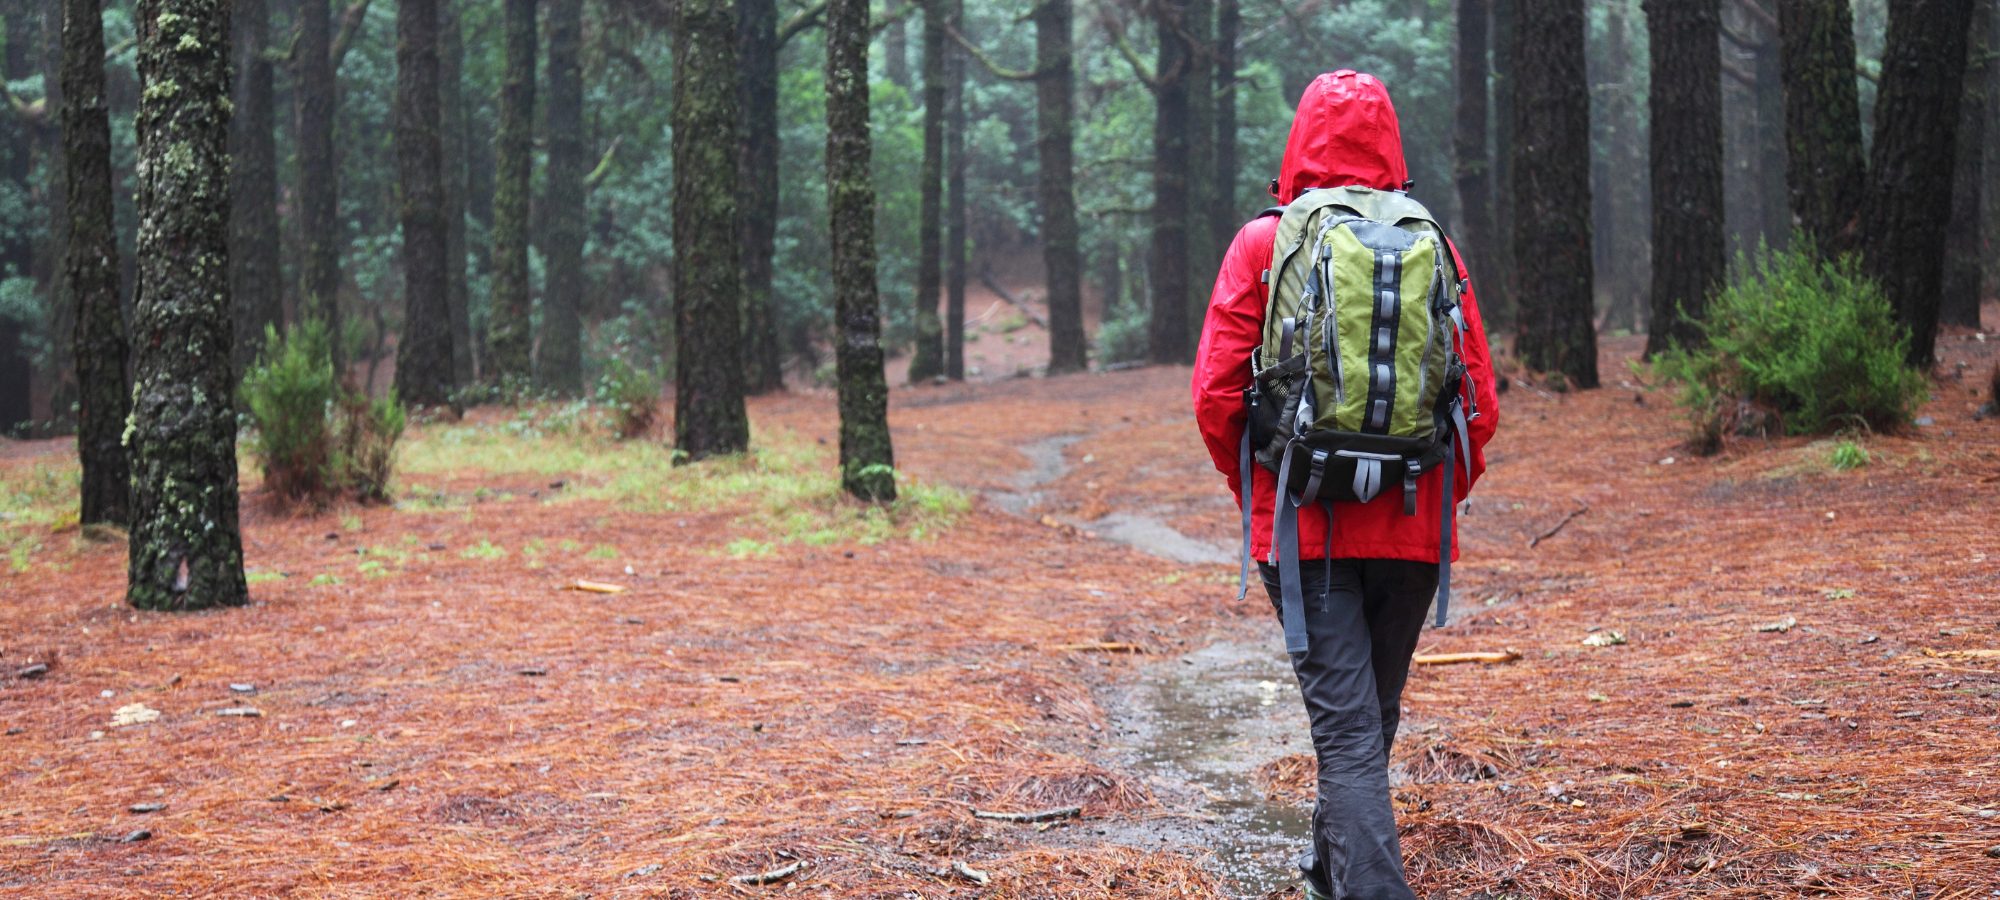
630,395
368,431
1848,455
315,438
1121,337
1808,343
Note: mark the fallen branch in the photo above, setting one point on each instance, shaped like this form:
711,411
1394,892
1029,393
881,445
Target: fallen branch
597,587
986,278
1447,659
976,876
1559,526
1047,815
1100,647
771,877
1962,654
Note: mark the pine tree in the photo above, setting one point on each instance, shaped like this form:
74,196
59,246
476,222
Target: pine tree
104,392
1055,86
1472,160
1689,259
1551,190
451,101
1824,167
955,120
927,356
423,350
709,417
255,270
320,231
559,364
509,339
758,192
866,459
1167,330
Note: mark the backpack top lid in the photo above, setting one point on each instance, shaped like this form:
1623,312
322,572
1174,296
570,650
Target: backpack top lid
1344,133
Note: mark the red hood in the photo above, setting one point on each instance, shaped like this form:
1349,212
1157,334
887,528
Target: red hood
1345,132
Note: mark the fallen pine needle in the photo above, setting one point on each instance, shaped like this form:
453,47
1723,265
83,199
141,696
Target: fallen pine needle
1447,659
1100,647
597,587
771,877
1047,815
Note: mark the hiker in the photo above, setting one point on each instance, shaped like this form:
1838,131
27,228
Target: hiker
1371,401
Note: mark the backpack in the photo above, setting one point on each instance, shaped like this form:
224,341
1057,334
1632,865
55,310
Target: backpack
1356,385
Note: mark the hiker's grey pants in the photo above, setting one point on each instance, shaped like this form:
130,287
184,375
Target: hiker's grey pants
1361,630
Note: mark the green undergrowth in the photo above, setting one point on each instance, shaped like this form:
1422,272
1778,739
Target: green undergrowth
34,504
786,487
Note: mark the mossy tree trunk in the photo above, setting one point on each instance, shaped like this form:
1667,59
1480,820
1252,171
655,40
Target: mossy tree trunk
866,460
1496,289
1551,188
1204,256
1167,332
423,351
1968,245
451,102
1916,133
1689,259
185,549
1055,90
509,335
757,194
104,392
1824,167
927,354
1472,162
255,269
559,363
320,231
954,200
709,418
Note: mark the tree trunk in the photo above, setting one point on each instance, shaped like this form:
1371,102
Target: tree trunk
509,338
451,100
1204,254
1916,132
866,459
185,549
1824,167
320,229
927,356
1990,198
560,360
1551,189
1226,217
17,251
104,390
254,266
52,260
423,351
759,191
1054,89
1689,259
1474,234
954,202
1167,330
896,50
709,419
1966,244
1496,292
1773,195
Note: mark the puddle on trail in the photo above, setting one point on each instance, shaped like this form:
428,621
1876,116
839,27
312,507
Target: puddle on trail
1198,727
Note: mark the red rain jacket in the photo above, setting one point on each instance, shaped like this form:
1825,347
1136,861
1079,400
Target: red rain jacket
1345,132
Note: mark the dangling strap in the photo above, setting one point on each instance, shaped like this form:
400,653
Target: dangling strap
1243,491
1444,542
1285,555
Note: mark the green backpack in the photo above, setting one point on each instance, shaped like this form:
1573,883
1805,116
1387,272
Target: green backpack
1356,385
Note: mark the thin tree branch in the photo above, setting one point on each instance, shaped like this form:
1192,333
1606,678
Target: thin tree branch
999,71
801,21
603,168
350,23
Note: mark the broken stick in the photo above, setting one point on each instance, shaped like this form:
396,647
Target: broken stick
771,877
1559,526
1047,815
1446,659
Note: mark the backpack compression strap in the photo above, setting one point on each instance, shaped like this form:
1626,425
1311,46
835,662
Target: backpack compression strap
1444,536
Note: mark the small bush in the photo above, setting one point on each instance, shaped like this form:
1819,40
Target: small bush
315,438
630,395
1848,455
368,431
1121,337
1799,342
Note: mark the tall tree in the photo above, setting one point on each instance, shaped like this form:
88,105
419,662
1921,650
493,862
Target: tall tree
320,230
1473,169
1225,217
560,361
1689,259
1916,132
758,194
254,266
954,200
423,351
185,549
104,389
927,356
1055,87
1966,245
1167,330
451,101
1551,188
1204,256
866,459
709,418
509,338
1824,167
1496,292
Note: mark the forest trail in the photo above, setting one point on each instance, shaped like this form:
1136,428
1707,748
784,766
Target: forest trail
439,716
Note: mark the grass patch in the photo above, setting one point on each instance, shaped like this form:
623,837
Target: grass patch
1847,456
35,502
484,550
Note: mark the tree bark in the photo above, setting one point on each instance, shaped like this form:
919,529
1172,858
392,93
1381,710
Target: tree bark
451,100
423,351
1967,243
1054,89
1204,256
927,356
560,359
1167,330
185,549
255,269
52,260
1824,167
954,200
322,237
709,418
758,193
1551,188
866,460
509,338
1496,292
1916,132
104,388
896,51
1474,236
1689,258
